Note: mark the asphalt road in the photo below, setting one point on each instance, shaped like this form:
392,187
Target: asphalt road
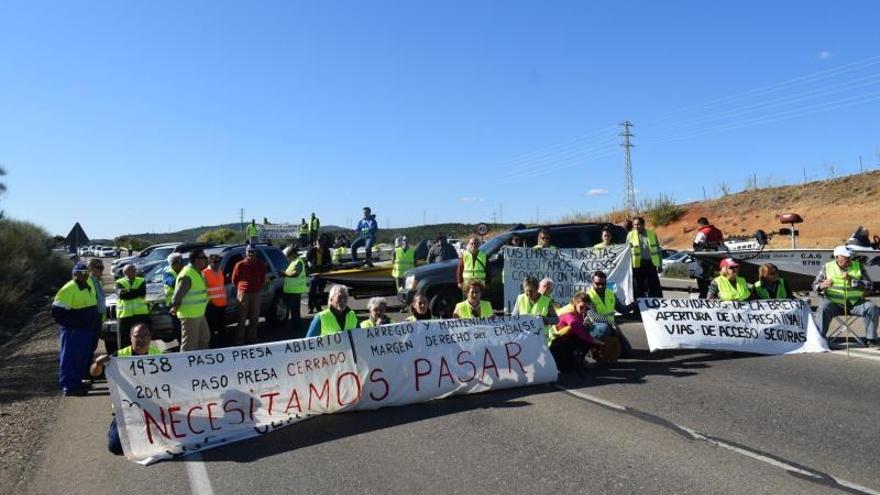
668,422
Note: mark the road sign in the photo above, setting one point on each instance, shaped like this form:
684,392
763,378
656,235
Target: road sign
482,229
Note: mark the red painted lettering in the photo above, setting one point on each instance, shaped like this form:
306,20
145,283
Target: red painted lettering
189,420
384,384
163,430
487,358
271,397
293,402
514,356
444,371
420,374
357,384
171,411
325,389
469,363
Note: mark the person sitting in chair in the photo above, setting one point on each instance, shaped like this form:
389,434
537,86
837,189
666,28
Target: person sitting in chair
842,285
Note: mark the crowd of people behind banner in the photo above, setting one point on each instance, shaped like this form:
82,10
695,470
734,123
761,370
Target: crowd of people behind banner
585,325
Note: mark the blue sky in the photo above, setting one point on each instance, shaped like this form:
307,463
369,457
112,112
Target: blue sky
149,116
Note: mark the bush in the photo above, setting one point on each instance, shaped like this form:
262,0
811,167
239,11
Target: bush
221,236
134,243
677,270
662,211
29,270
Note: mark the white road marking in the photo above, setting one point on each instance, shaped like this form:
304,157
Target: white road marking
733,448
858,353
198,476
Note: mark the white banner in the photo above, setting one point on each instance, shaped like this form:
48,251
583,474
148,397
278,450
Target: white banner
570,269
418,361
762,327
278,231
179,403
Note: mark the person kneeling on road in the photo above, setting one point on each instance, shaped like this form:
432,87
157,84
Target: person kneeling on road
141,345
337,318
377,307
570,341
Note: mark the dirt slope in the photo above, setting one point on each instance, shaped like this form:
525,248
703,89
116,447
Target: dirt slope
831,210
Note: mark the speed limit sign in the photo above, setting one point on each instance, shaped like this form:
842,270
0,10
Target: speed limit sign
482,229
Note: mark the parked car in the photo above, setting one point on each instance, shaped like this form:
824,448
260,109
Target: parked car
437,280
272,305
684,260
106,252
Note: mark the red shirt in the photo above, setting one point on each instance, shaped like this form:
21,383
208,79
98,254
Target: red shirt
249,275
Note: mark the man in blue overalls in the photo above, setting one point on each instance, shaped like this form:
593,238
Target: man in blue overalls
75,309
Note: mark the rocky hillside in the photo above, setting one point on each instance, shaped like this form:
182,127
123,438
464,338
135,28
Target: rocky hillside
831,209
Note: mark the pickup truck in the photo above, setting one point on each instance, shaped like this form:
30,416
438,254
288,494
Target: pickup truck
437,280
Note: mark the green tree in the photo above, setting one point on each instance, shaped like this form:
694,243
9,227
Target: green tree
221,236
2,188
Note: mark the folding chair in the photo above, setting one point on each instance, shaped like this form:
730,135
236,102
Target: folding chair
844,328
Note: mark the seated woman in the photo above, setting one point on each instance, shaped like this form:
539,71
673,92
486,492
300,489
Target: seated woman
418,309
532,302
729,286
335,319
770,285
570,341
377,308
473,307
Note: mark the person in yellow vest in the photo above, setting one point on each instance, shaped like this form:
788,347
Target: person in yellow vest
314,227
606,240
304,238
770,285
296,283
473,307
141,345
545,288
419,309
75,310
403,259
544,240
252,232
646,259
175,265
337,318
189,303
378,308
532,302
603,309
729,286
569,341
472,265
131,305
844,282
215,312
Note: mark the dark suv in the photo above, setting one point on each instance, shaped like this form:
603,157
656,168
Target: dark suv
437,280
273,307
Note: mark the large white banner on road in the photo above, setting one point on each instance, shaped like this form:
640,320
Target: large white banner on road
762,327
424,360
570,269
180,403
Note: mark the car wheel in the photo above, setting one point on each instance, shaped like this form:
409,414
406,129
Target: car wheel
444,301
278,310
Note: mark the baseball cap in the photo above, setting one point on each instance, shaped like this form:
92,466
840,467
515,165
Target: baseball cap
80,267
842,251
729,262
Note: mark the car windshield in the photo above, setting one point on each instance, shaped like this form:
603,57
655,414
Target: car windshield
677,256
494,244
159,253
155,274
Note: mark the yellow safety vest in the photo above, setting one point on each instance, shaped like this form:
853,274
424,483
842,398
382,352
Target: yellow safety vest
298,284
605,307
538,308
252,230
762,292
474,268
314,225
329,325
839,291
304,228
126,351
131,307
404,259
568,308
70,296
196,299
336,255
727,292
463,309
636,247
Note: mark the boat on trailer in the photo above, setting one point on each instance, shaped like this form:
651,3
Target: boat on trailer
799,266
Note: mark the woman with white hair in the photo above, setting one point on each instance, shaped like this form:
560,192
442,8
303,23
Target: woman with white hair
377,307
337,317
